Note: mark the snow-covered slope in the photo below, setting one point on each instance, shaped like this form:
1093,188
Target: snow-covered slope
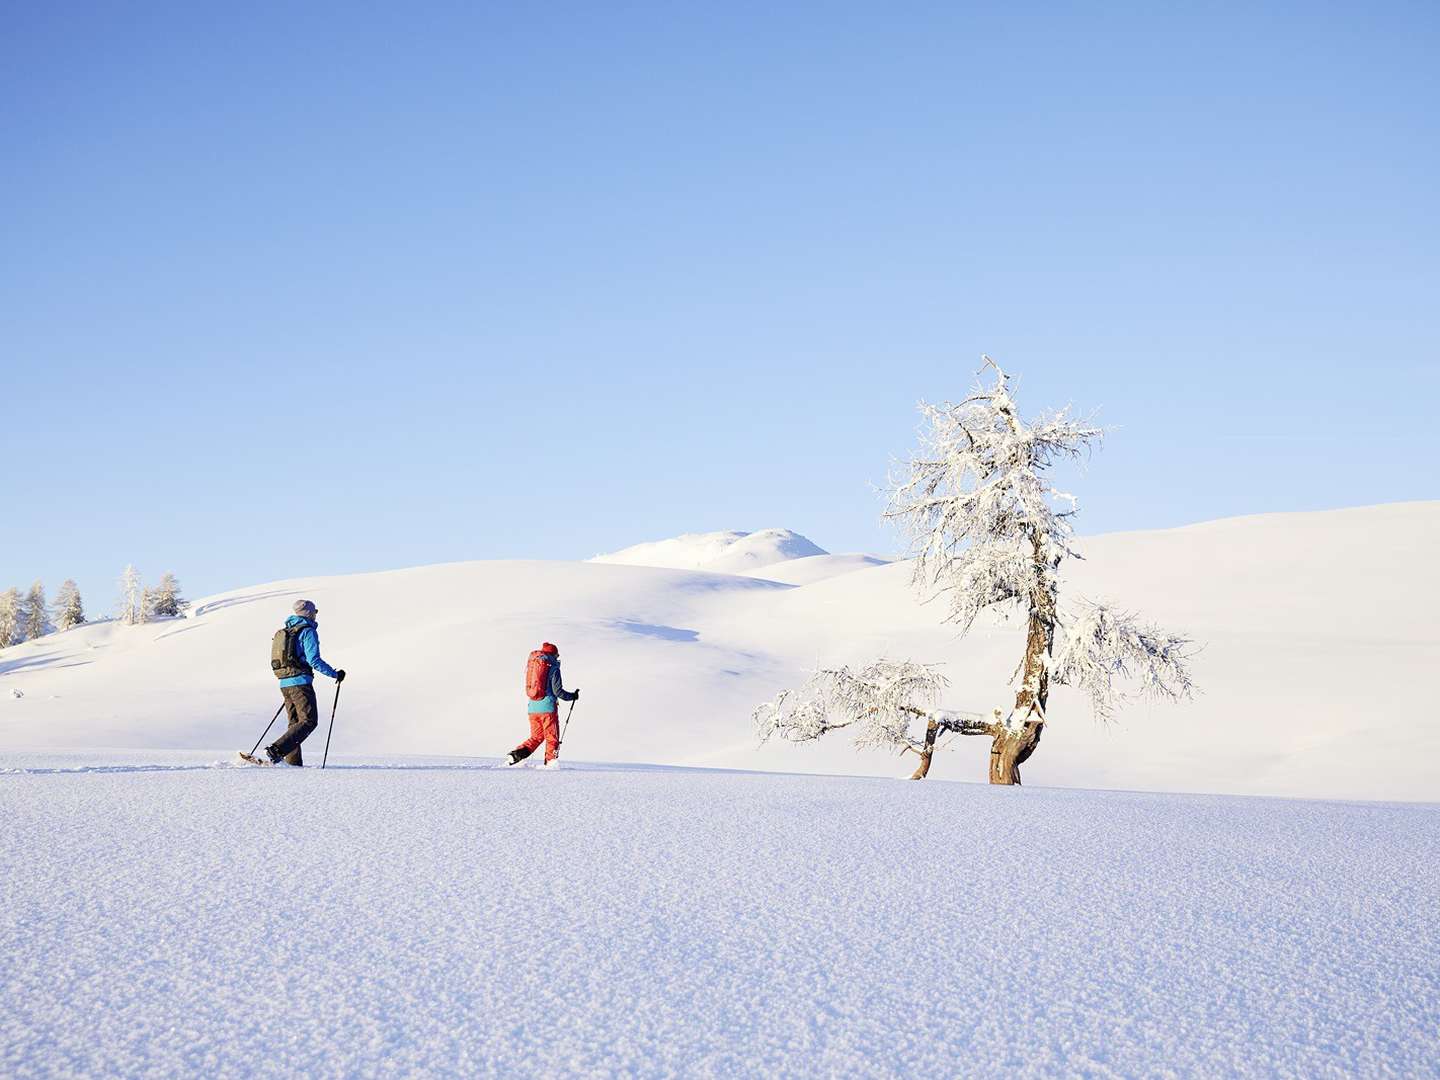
718,552
443,919
812,568
1318,637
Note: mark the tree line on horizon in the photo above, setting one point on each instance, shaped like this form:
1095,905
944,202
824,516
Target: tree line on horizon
25,616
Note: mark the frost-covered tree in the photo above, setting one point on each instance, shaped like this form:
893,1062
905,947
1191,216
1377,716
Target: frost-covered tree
164,600
988,531
68,608
881,703
37,614
10,623
131,609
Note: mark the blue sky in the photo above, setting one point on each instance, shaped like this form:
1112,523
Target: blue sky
288,292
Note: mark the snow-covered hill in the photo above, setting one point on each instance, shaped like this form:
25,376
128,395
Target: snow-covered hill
445,919
809,569
718,552
1318,632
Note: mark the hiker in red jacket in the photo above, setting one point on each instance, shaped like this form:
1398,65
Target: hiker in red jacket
544,689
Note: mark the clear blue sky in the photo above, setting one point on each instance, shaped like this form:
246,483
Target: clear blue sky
296,289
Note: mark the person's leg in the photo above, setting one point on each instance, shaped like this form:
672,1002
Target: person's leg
550,725
303,714
310,715
292,720
537,736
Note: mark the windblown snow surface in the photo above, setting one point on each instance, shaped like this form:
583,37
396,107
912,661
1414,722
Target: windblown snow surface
160,915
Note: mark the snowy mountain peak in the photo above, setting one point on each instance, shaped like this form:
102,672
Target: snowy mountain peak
717,552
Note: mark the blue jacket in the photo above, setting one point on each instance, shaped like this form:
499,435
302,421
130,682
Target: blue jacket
309,648
557,690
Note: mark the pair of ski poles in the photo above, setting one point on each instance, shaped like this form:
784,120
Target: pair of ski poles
334,705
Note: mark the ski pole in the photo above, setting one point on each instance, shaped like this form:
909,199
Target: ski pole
335,705
561,741
267,729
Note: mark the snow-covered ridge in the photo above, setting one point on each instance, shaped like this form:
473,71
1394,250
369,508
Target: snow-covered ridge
718,552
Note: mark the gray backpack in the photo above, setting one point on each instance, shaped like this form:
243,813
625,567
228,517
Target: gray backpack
285,656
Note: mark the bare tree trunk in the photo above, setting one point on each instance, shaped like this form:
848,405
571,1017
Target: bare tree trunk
932,728
1012,748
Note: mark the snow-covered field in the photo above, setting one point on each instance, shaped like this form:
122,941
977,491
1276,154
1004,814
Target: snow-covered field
165,912
163,916
1317,631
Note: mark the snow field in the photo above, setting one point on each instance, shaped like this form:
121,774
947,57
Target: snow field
435,918
1315,631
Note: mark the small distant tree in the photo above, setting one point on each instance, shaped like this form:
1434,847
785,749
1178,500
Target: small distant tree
164,600
68,609
131,610
10,621
988,531
37,614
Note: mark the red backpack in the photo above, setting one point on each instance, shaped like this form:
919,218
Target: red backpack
537,672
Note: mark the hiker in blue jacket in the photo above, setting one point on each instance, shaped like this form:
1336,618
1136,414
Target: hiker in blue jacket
297,661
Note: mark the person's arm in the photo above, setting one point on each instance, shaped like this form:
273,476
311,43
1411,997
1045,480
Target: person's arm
310,645
556,688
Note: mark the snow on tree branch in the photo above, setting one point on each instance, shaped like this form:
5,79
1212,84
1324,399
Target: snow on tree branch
10,620
131,609
983,524
987,530
164,600
69,610
1103,644
880,701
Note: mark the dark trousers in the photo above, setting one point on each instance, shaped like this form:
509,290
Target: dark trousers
303,715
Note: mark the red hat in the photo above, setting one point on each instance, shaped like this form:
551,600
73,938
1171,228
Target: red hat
551,649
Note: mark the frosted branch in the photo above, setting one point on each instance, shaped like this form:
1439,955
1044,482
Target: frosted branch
1103,644
880,700
983,524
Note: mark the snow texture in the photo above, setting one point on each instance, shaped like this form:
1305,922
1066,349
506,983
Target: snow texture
163,916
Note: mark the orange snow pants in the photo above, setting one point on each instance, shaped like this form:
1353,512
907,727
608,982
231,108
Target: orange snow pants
544,727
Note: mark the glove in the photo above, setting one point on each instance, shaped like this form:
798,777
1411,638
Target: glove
576,692
340,675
